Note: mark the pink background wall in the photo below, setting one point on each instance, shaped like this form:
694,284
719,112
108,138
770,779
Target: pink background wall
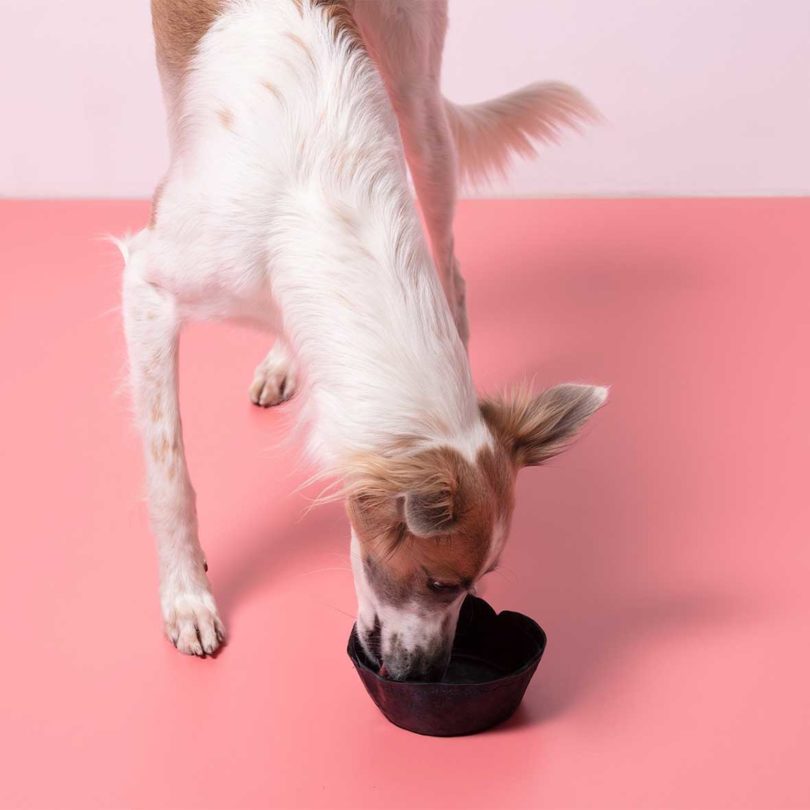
700,98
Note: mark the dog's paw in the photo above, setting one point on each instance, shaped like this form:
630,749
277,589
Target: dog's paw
274,380
192,623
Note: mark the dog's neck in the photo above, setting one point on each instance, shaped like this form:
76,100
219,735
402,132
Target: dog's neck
368,318
362,305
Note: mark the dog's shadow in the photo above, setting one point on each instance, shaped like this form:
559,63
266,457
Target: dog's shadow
268,553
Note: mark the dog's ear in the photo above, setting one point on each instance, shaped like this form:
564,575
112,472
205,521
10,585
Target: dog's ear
431,502
424,492
428,512
534,429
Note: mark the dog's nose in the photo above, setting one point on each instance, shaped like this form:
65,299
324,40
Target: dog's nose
417,671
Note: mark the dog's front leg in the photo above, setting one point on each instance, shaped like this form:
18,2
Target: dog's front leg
152,330
275,378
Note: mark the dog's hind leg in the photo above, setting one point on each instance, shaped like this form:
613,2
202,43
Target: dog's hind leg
152,328
406,41
275,378
432,160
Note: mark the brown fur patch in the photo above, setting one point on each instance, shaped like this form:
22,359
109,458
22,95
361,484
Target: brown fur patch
271,88
498,472
226,118
179,25
534,429
156,203
462,501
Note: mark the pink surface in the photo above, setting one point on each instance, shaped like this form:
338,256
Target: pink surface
666,555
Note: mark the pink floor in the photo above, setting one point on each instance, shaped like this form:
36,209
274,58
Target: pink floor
667,554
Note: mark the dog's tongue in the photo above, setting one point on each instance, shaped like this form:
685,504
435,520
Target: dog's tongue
383,673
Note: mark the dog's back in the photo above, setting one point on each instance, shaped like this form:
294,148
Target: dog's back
268,101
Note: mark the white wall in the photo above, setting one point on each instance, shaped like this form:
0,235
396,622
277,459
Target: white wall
700,96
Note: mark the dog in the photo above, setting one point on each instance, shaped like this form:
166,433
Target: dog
287,205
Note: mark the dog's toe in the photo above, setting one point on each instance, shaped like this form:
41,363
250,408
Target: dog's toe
272,385
192,624
275,378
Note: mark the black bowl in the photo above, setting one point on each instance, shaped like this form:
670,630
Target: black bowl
494,657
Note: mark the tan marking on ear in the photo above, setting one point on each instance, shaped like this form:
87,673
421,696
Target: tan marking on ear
164,449
506,421
342,20
480,494
534,429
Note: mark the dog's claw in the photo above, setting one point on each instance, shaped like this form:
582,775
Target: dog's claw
192,624
274,381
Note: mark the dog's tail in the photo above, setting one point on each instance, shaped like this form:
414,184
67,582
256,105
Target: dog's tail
489,134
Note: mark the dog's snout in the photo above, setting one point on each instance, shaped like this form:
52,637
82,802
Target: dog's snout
399,661
371,640
418,664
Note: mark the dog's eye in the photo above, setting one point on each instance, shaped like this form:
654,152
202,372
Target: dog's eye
444,588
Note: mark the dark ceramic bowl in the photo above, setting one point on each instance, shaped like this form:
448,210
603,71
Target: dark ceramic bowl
494,657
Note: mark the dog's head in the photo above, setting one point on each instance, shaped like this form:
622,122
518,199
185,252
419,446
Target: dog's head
428,524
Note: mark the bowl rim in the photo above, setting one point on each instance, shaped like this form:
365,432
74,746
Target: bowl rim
542,641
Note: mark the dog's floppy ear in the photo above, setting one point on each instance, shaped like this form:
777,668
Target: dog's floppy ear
430,504
428,512
534,429
424,492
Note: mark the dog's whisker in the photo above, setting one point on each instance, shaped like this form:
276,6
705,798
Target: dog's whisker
322,570
352,616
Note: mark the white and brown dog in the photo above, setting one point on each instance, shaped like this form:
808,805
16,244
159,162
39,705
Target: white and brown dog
287,205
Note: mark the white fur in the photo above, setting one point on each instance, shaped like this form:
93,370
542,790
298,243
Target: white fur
409,625
287,206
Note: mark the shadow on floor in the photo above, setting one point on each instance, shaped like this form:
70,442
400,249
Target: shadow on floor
266,554
601,587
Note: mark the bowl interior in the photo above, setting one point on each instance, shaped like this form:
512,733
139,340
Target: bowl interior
488,646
